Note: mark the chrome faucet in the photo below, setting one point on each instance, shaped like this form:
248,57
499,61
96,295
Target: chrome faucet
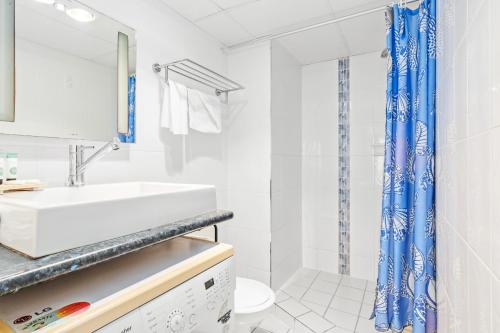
78,164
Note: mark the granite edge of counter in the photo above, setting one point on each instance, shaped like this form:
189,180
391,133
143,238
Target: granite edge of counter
22,272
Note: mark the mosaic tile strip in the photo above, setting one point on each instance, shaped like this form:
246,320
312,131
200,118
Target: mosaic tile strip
344,167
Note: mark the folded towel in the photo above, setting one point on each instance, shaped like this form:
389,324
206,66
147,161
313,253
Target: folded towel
176,118
204,112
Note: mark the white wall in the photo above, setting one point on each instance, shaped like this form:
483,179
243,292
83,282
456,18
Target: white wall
162,36
367,136
320,166
249,162
468,159
321,158
286,142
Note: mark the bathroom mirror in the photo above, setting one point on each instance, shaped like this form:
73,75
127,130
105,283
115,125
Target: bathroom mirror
7,60
73,68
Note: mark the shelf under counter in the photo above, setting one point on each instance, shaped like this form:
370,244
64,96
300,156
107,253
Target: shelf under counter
18,271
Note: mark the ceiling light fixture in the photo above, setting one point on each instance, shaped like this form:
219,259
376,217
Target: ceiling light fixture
47,2
80,14
59,6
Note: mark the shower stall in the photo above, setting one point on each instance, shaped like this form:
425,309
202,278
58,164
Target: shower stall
328,92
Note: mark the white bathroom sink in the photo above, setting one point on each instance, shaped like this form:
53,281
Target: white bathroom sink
57,219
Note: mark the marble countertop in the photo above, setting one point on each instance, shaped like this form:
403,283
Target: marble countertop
18,271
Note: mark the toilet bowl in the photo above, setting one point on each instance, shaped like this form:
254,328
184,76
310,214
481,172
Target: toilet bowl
252,301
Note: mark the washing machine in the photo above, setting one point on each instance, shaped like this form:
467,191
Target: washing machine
185,285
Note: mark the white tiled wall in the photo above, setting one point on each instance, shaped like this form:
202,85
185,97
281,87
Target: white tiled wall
367,134
286,129
468,159
320,163
249,162
320,166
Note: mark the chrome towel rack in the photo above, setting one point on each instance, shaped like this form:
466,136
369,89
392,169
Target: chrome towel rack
201,74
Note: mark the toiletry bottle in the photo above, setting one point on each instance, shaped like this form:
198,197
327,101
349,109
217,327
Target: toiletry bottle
11,166
2,167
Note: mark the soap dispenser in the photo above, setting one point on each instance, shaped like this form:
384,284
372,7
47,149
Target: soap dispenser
11,166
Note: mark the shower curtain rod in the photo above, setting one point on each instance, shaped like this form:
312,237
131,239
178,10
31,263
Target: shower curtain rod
309,27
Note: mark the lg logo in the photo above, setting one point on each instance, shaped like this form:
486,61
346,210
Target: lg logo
27,318
43,311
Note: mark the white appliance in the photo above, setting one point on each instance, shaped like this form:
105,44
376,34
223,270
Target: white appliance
184,285
203,304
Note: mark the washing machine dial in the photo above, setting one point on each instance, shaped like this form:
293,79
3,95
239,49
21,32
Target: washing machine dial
176,321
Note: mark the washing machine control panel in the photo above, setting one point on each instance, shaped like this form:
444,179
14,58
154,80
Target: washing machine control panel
203,304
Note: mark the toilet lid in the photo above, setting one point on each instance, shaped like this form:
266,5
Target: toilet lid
252,296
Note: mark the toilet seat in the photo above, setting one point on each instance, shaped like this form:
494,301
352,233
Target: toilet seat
252,296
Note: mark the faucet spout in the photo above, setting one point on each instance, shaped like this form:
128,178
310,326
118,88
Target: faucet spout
78,165
104,150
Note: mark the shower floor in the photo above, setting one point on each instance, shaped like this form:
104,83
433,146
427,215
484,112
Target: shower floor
319,302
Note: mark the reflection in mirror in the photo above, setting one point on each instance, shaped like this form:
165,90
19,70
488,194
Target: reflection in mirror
122,83
7,60
66,71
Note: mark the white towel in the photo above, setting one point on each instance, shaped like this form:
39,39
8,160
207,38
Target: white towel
204,112
175,108
165,119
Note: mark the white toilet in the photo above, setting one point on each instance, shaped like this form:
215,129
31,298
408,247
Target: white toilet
252,300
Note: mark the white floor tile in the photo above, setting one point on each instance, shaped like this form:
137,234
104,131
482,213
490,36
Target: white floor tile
365,326
350,293
274,325
315,323
321,302
319,309
345,305
317,297
301,328
295,291
284,316
342,319
281,296
324,276
366,311
293,307
324,286
353,282
302,281
369,298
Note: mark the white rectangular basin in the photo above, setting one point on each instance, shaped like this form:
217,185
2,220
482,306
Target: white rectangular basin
58,219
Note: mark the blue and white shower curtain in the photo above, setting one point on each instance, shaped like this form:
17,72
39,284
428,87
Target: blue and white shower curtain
130,137
406,288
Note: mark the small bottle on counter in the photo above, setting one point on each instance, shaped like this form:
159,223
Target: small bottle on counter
11,166
2,167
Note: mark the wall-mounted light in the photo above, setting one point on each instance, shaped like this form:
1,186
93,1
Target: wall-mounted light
80,14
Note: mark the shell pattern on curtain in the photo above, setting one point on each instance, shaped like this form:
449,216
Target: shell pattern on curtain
406,288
